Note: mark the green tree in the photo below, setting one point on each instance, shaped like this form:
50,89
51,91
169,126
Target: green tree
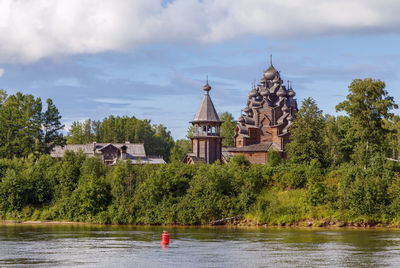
14,191
51,128
338,139
161,142
393,127
227,129
367,105
190,132
20,126
180,149
81,133
306,134
3,96
116,129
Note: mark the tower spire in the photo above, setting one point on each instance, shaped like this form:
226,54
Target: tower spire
270,59
206,87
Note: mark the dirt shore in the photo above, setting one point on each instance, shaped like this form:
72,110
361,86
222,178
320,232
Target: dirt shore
307,224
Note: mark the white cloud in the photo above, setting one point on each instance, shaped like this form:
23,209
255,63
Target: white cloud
35,29
1,72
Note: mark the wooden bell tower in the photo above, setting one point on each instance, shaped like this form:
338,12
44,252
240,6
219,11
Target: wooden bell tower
206,140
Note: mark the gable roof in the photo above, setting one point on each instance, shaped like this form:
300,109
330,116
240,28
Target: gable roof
107,146
132,149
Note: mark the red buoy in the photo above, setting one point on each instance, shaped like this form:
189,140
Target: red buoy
165,238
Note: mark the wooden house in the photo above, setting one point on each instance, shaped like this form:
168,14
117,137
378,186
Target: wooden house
110,153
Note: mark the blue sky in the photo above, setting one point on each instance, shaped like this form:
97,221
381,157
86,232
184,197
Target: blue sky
150,58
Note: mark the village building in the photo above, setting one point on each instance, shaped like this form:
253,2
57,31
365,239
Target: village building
110,153
206,141
265,121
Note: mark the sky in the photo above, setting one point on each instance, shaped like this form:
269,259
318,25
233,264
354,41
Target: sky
150,58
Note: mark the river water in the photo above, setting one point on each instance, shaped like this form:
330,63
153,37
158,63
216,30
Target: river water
40,245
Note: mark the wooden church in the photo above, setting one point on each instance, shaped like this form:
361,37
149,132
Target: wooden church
263,125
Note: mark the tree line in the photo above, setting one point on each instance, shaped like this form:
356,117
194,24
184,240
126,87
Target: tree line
26,127
339,168
366,136
119,129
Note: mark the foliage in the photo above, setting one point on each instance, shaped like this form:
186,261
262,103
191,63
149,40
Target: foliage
306,134
3,96
180,149
116,129
25,129
51,126
337,169
80,132
227,129
393,127
78,188
338,140
367,105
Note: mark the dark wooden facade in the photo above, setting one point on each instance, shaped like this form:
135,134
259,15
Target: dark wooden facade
206,140
265,121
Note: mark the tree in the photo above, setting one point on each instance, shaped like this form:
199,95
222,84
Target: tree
161,142
338,139
393,127
367,105
116,129
3,96
180,149
81,133
51,126
227,129
306,134
20,125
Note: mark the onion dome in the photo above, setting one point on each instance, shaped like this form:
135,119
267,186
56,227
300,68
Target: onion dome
290,117
241,120
281,92
285,108
253,93
264,93
247,110
270,73
206,87
276,80
291,93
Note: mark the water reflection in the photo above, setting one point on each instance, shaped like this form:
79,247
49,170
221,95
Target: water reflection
123,246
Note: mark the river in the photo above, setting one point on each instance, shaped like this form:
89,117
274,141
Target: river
41,245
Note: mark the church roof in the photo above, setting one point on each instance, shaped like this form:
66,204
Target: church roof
259,147
206,112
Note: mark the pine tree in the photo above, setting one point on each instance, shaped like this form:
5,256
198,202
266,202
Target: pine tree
51,126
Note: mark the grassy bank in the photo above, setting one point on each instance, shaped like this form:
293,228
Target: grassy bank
80,189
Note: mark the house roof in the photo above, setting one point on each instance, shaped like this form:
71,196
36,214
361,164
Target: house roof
133,150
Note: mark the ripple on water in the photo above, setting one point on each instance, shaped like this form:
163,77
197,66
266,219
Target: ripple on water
105,246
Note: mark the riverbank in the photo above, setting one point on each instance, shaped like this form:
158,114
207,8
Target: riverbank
79,189
306,224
